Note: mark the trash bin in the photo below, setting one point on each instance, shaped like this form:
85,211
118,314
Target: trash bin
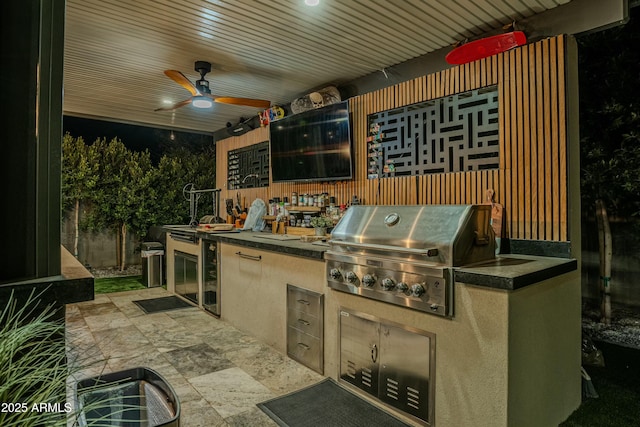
133,397
152,253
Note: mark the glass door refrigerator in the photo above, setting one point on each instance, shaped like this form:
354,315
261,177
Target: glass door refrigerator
210,274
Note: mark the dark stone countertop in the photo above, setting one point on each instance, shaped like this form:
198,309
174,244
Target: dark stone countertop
74,284
514,271
282,243
508,272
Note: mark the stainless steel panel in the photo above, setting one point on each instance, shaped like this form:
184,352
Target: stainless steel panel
359,351
305,326
405,377
305,348
186,275
302,300
450,235
391,362
437,282
304,322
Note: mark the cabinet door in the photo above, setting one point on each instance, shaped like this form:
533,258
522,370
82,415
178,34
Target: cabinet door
405,370
359,351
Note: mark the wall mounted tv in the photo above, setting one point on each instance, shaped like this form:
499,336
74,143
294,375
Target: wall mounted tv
314,145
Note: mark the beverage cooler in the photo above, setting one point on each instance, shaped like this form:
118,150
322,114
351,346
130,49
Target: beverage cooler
210,274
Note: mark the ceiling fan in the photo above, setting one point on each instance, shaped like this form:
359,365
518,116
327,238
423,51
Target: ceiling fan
201,94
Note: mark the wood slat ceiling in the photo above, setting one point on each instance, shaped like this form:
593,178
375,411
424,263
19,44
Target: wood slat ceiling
116,50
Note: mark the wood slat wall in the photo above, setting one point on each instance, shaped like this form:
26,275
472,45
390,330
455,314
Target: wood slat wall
531,181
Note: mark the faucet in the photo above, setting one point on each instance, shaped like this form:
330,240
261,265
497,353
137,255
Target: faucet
251,175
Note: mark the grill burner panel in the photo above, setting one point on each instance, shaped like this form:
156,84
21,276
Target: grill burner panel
411,285
406,255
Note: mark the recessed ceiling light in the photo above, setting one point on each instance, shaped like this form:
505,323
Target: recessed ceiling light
312,2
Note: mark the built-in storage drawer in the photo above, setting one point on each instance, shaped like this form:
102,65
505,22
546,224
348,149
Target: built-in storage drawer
305,319
304,322
304,348
303,300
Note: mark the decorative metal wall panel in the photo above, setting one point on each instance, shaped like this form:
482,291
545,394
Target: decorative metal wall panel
248,167
451,134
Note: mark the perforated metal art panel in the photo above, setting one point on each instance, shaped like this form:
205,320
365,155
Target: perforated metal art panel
451,134
249,164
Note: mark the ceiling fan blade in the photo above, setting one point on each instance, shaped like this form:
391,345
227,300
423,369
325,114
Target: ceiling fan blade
258,103
176,105
180,78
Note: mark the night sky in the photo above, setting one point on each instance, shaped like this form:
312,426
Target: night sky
137,138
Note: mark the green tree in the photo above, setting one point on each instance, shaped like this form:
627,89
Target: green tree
79,178
175,170
122,191
121,197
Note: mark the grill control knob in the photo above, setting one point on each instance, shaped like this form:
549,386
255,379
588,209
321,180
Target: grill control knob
351,277
368,280
402,287
388,284
335,274
417,290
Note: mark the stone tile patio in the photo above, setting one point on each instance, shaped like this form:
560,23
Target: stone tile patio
218,372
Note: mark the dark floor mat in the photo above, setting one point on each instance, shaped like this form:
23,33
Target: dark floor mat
326,404
155,305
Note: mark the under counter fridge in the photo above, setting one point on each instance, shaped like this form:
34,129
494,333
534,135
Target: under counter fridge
210,275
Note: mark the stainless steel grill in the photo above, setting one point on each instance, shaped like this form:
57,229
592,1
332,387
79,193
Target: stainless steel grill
405,255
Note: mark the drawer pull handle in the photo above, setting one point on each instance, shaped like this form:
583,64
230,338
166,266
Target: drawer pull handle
303,346
303,322
303,301
251,257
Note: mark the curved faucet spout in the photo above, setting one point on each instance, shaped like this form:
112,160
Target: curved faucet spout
251,175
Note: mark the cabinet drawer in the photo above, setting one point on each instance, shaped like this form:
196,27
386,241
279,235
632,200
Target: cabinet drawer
304,301
305,348
304,322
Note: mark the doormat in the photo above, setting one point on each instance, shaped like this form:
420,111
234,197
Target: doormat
155,305
326,404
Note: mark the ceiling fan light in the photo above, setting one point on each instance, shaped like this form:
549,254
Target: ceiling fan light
202,102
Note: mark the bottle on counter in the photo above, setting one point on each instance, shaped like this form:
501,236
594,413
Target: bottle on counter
294,199
321,200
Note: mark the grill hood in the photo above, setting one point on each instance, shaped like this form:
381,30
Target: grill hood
450,235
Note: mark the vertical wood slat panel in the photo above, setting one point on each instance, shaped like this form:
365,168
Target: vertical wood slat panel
548,176
531,181
533,138
542,199
526,142
562,134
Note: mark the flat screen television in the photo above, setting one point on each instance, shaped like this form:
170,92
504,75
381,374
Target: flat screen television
314,145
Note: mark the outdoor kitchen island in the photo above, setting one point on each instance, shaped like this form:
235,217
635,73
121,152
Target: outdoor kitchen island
509,355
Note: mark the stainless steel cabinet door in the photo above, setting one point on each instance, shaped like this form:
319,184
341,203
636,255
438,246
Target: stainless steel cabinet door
359,344
405,375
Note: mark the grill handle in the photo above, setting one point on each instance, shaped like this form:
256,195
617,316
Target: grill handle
422,252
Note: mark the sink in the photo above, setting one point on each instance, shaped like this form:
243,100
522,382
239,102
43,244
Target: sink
182,233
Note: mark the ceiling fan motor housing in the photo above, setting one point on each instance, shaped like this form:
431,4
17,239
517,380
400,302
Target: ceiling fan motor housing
203,67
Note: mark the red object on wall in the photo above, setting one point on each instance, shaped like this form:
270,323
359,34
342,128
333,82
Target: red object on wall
488,46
